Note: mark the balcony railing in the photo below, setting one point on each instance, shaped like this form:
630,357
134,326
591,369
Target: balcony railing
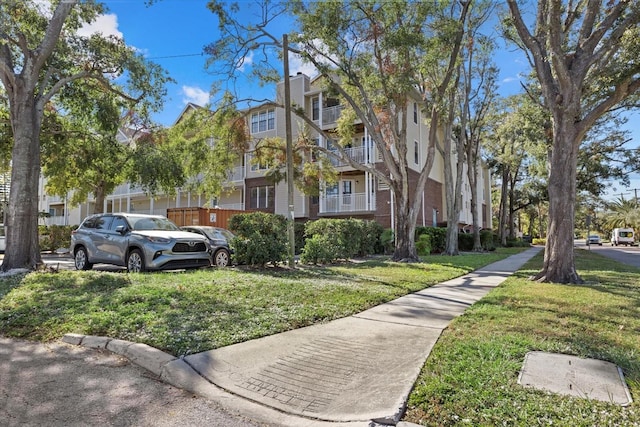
55,220
236,174
357,154
126,189
355,202
331,114
234,206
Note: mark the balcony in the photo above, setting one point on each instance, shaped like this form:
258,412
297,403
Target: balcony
356,202
236,174
127,190
358,154
233,206
331,114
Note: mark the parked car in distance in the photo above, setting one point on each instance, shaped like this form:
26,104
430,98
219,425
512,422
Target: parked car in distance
594,239
622,236
139,242
219,240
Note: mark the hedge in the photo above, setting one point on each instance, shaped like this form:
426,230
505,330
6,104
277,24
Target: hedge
261,238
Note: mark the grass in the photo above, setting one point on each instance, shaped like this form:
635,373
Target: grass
190,312
470,378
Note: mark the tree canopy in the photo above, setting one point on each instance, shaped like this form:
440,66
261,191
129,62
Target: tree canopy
41,55
584,55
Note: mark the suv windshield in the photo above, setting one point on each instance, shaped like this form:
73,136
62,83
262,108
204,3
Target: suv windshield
146,223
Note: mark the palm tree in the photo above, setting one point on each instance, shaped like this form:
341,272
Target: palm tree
623,213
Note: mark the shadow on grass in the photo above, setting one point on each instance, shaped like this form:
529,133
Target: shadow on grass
598,319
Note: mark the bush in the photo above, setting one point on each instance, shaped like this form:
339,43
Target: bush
342,239
465,242
319,249
540,242
517,243
300,238
423,244
370,242
55,237
387,241
437,237
261,238
489,240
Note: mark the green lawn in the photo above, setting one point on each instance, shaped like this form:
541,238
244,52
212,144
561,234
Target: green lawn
470,378
190,312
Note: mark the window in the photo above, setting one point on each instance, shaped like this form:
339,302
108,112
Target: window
415,113
416,153
263,121
262,197
118,221
315,108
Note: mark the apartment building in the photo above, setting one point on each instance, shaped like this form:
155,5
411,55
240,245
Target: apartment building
357,194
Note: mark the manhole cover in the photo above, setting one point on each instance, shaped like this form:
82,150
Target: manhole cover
574,376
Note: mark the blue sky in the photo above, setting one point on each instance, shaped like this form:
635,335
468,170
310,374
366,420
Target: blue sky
173,33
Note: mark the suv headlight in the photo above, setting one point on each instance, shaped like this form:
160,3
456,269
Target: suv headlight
161,240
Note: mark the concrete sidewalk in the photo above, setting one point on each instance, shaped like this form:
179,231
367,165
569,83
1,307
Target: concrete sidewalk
347,372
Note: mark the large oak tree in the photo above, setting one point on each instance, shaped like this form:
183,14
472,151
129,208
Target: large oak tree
41,53
585,56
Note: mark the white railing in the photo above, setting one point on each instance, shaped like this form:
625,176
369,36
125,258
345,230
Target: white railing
126,189
358,154
159,211
331,114
56,199
55,220
356,202
236,174
234,206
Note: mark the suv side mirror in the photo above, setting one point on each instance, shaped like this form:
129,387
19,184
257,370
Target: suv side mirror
121,229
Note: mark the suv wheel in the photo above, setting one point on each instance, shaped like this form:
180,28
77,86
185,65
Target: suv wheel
81,260
135,262
221,258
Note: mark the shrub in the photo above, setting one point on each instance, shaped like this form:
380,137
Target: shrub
540,242
423,244
55,237
319,249
300,237
261,238
370,242
344,238
517,243
465,241
437,237
387,239
489,240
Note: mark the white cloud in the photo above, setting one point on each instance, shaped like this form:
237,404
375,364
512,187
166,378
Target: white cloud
247,61
195,95
107,25
296,65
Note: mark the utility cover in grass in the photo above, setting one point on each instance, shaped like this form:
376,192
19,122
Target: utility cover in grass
574,376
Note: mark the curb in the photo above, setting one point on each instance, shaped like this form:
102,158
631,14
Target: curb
178,373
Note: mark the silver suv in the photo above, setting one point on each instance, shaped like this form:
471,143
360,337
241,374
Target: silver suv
139,242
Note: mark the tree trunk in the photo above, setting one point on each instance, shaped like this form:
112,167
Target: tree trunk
559,266
472,176
100,196
405,228
23,249
503,206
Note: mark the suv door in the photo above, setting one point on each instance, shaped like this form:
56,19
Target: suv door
116,242
100,237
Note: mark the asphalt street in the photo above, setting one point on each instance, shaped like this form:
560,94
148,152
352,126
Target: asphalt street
629,255
57,384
